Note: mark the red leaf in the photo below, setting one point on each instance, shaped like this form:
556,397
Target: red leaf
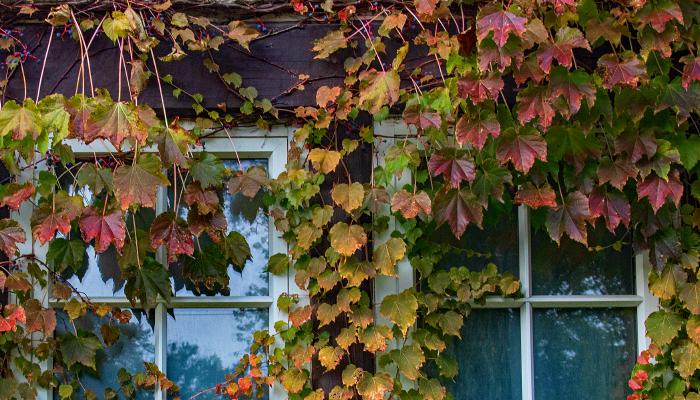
616,172
502,23
414,115
115,122
169,230
561,50
458,208
691,70
207,201
454,166
536,197
560,6
535,101
15,314
51,217
10,234
636,145
614,207
105,228
573,87
476,129
480,89
529,69
522,150
658,15
657,190
411,204
14,194
627,71
570,218
503,56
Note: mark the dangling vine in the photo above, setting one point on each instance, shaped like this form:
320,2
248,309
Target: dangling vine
582,110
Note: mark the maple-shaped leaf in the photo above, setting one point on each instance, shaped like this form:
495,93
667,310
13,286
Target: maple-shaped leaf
208,170
616,172
236,250
454,165
625,71
490,181
137,184
528,69
249,182
39,319
214,224
115,121
501,23
657,15
571,144
490,53
242,34
349,197
333,41
561,49
691,70
561,6
411,204
657,189
425,7
173,145
522,150
10,234
414,114
535,101
20,120
478,89
458,208
377,89
95,177
207,201
172,232
614,208
636,144
207,269
346,239
105,226
683,101
536,196
14,194
324,160
476,128
570,218
573,87
146,283
55,216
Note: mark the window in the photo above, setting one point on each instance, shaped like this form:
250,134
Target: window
203,335
575,333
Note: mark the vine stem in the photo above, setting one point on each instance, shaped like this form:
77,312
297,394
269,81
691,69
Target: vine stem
160,89
86,55
43,64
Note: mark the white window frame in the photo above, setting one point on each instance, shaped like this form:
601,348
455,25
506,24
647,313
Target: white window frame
245,143
644,302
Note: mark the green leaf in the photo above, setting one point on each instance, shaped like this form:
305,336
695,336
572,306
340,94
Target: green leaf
116,27
278,264
690,295
237,250
663,326
431,389
687,358
147,283
387,255
374,387
96,178
20,120
64,253
207,268
207,170
409,359
233,79
294,379
401,309
65,391
79,349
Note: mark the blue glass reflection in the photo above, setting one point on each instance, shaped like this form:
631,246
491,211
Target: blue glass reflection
583,353
488,355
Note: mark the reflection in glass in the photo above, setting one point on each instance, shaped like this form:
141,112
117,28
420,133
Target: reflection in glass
488,355
206,344
246,217
134,346
583,353
497,243
570,269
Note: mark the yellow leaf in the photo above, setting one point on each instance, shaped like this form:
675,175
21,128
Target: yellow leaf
349,197
324,160
346,239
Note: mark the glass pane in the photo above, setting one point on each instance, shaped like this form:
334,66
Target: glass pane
488,355
206,344
134,346
246,217
572,269
583,353
497,243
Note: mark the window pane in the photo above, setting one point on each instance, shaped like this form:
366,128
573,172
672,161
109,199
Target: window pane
134,346
583,353
245,216
488,355
497,243
206,344
571,269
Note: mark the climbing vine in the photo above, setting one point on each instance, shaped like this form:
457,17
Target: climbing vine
582,110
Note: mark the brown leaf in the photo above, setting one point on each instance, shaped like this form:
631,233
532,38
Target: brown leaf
411,204
249,182
172,232
570,218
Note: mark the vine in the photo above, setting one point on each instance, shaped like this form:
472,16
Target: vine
582,110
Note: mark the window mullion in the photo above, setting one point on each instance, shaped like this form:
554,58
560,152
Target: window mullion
649,304
161,315
525,271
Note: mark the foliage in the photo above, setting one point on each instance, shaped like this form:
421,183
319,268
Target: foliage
583,109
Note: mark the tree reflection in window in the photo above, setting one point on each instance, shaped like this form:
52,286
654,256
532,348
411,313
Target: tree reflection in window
206,344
